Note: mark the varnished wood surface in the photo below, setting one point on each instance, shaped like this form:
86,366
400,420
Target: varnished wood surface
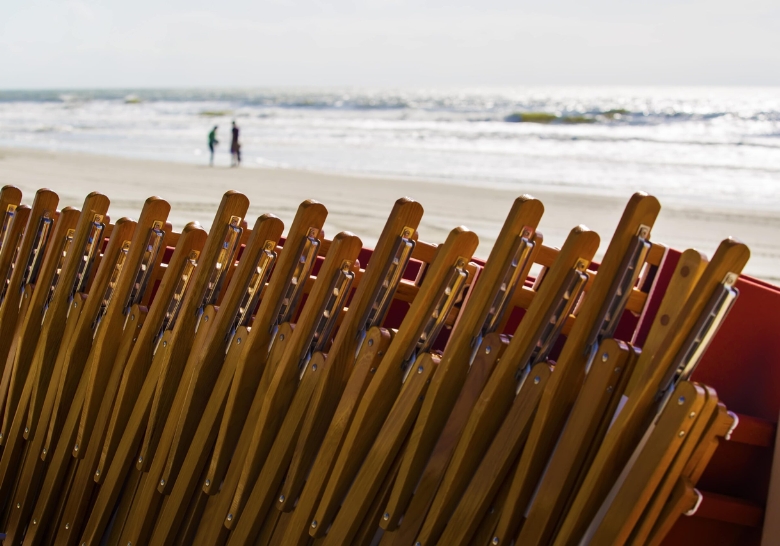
730,257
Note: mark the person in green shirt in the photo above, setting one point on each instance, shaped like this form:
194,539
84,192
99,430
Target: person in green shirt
212,142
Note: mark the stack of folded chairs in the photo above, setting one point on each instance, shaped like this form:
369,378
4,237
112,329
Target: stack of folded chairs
243,387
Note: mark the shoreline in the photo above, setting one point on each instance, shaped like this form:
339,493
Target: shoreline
360,203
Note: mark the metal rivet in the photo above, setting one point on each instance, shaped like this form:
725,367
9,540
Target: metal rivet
26,430
692,415
681,433
206,318
165,343
75,304
281,337
488,349
238,341
132,317
314,524
76,447
418,543
208,483
537,379
67,526
370,343
314,367
617,370
162,482
495,540
372,370
609,389
420,369
230,517
681,400
18,504
140,460
281,498
386,516
97,472
35,522
605,357
44,451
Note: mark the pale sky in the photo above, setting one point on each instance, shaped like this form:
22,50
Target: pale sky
236,43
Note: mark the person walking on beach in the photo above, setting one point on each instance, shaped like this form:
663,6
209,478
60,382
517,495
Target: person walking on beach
235,148
212,142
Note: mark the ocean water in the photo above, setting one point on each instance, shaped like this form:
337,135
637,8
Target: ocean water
700,147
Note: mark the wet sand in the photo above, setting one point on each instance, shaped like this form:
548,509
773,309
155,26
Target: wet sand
360,203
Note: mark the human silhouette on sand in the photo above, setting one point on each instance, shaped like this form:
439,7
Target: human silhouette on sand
235,147
212,142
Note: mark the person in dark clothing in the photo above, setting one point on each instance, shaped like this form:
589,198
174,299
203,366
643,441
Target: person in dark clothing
235,148
212,142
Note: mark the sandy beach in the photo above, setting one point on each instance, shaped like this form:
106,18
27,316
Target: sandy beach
360,203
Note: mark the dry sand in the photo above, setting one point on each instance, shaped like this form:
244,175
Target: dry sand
360,204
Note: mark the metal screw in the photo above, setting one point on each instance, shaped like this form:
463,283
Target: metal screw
537,379
208,483
97,473
314,524
18,504
35,522
681,433
238,341
140,460
372,370
488,349
314,367
44,451
67,526
206,318
495,540
132,317
605,357
420,369
162,482
165,343
617,370
26,430
281,498
281,337
76,447
386,516
370,343
230,517
692,415
609,389
681,400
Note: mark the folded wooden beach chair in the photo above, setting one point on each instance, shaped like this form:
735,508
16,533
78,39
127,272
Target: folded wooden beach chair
116,328
246,388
